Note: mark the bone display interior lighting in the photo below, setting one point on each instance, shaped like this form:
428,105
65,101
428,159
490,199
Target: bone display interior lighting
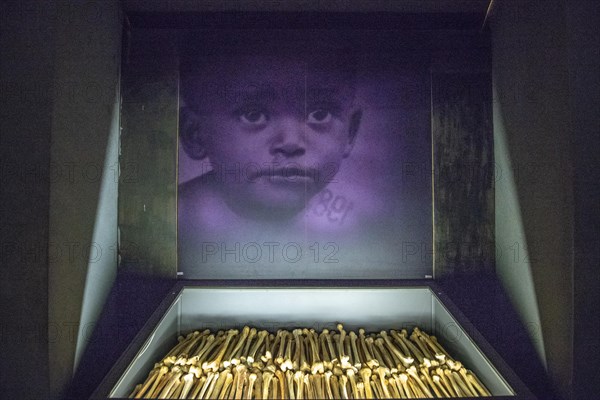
305,364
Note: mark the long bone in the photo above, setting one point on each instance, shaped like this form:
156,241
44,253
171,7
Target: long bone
248,343
446,382
328,390
377,388
225,389
152,377
160,384
236,352
215,388
299,381
356,356
344,358
415,388
202,337
257,384
412,371
238,381
404,382
343,381
188,381
383,360
439,383
335,338
477,384
327,364
288,362
335,387
350,375
267,377
209,385
259,341
435,347
398,338
317,364
182,341
383,372
197,387
226,360
300,351
186,349
274,393
282,384
308,387
204,350
215,363
417,341
440,348
289,378
332,353
463,373
369,358
463,385
404,359
393,388
319,385
425,376
176,390
395,381
269,339
173,380
397,390
365,374
250,386
348,350
360,388
211,351
409,346
281,340
457,389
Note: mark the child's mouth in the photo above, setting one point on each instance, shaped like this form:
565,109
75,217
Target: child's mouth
291,175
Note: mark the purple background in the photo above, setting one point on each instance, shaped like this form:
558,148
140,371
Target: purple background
386,232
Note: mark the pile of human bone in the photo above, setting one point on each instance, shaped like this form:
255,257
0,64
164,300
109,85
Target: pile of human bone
305,364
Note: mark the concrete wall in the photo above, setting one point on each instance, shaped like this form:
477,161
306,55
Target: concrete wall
583,21
542,50
26,72
83,196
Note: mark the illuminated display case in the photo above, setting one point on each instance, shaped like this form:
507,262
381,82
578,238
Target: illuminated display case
372,305
391,300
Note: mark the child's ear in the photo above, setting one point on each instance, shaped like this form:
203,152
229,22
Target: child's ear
190,134
353,126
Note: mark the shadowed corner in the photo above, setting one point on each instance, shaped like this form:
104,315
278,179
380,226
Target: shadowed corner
487,305
131,301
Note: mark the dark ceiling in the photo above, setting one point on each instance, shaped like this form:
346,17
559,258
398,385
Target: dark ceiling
399,6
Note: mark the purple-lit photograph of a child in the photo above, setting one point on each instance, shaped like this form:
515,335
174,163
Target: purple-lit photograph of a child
289,158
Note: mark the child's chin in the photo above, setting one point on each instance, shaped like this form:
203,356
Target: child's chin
271,202
283,205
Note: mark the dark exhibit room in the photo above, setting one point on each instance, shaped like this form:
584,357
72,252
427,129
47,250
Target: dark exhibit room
303,199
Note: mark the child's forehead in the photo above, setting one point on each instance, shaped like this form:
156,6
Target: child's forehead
263,78
318,69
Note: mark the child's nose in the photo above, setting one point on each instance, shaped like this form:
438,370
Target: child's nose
289,137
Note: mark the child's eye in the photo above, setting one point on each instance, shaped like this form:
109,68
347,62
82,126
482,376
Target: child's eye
254,117
319,116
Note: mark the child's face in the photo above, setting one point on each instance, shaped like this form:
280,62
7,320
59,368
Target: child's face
275,129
